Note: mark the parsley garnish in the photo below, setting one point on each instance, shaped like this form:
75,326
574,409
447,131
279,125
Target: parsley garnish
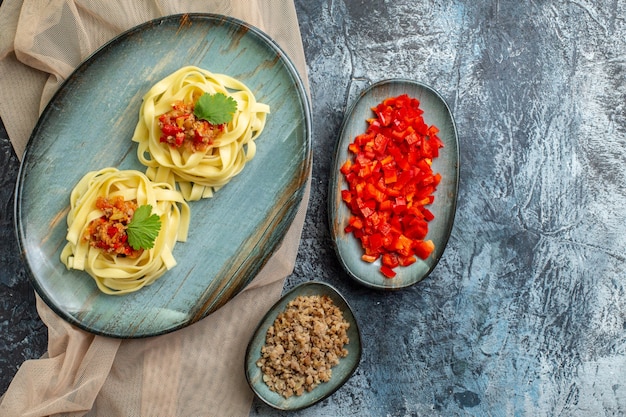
215,108
144,228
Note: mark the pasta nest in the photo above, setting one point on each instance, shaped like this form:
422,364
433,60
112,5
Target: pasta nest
198,174
115,274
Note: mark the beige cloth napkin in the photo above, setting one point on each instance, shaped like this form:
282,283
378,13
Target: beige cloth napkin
196,371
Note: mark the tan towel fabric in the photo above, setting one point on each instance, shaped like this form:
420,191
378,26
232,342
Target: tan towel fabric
196,371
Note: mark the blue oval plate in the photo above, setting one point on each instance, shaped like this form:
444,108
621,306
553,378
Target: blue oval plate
347,247
88,125
340,373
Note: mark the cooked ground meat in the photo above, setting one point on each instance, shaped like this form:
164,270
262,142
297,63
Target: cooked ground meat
108,232
180,127
304,343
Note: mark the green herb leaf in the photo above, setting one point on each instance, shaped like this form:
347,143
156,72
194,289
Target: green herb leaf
144,228
215,108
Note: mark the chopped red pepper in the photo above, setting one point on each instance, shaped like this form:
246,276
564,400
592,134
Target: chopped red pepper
387,271
180,127
390,181
108,232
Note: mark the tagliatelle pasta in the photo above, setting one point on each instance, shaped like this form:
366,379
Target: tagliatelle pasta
198,173
113,273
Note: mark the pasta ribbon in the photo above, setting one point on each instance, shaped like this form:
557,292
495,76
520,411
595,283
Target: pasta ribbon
198,173
112,273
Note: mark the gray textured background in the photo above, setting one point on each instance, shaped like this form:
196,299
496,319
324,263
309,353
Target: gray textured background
526,312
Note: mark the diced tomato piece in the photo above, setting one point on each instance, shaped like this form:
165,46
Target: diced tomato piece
180,138
170,130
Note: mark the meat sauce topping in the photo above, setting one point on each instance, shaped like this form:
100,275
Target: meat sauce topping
108,232
180,127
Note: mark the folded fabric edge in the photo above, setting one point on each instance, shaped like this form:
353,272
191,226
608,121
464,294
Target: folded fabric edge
21,96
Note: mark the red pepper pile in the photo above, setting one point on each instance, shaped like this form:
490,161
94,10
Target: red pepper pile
391,182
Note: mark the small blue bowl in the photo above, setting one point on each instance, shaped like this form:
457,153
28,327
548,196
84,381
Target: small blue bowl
340,373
